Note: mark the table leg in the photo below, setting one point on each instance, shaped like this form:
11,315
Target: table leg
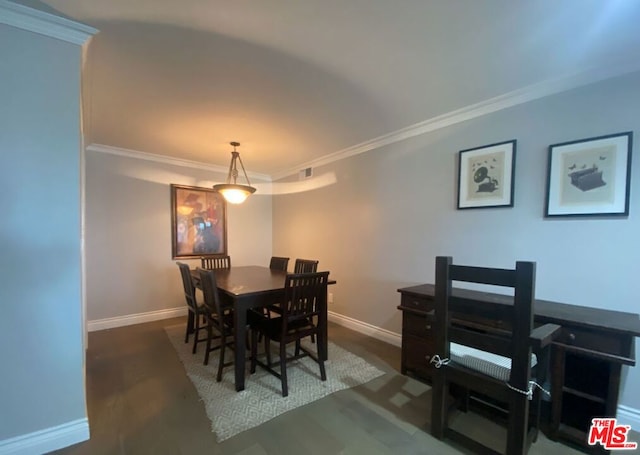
239,340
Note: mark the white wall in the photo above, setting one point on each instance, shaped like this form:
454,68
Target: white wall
128,234
41,352
393,210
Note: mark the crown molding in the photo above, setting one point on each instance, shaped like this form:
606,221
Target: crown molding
43,23
514,98
168,160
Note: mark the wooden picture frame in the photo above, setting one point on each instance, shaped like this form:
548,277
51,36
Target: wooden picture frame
590,177
198,222
486,176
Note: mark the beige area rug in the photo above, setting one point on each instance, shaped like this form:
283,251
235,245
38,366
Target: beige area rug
232,412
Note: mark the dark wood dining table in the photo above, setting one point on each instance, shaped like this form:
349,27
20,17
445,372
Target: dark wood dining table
249,287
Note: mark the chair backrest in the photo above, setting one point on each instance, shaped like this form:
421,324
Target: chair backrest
279,263
210,291
305,296
497,328
305,266
187,284
215,262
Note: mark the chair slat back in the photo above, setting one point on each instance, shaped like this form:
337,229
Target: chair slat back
305,296
187,284
210,292
215,262
487,341
497,328
482,275
279,263
305,266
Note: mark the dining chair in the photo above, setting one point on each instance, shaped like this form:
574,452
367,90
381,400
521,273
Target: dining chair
219,318
279,263
215,262
304,299
305,266
197,311
276,263
491,355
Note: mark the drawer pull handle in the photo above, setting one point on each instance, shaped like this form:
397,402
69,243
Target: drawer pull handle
572,337
428,327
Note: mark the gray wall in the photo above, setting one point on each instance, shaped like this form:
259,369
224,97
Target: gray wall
41,352
393,210
128,234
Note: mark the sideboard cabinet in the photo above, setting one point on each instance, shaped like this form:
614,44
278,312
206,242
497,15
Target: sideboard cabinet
587,357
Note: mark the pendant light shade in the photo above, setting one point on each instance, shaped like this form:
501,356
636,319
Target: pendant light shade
233,192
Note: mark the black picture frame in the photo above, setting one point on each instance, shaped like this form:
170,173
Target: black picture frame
590,177
486,176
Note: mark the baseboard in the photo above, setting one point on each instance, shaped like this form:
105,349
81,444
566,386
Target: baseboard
366,329
131,319
629,416
45,441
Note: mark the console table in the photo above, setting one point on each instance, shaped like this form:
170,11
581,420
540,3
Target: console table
586,358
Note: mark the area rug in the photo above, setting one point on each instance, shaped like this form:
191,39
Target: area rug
232,412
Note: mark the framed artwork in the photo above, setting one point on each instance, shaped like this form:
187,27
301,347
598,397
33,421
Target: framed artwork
486,175
198,222
590,177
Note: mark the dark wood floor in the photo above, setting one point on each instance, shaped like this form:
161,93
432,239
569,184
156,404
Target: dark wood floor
140,401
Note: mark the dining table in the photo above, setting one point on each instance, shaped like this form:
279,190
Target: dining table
247,287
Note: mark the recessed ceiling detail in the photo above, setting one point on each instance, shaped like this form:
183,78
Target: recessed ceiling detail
305,83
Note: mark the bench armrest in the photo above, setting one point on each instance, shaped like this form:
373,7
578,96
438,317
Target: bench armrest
541,336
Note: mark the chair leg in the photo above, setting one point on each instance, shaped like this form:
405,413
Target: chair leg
267,349
464,400
541,375
186,329
323,372
283,369
195,333
439,393
254,350
208,350
517,426
537,409
313,335
267,314
223,345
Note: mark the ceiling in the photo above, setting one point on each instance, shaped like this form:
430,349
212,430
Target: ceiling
296,80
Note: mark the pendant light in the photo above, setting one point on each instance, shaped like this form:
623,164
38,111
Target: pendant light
233,192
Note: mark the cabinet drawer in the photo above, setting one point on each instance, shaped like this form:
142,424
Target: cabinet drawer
416,303
597,341
416,325
416,350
